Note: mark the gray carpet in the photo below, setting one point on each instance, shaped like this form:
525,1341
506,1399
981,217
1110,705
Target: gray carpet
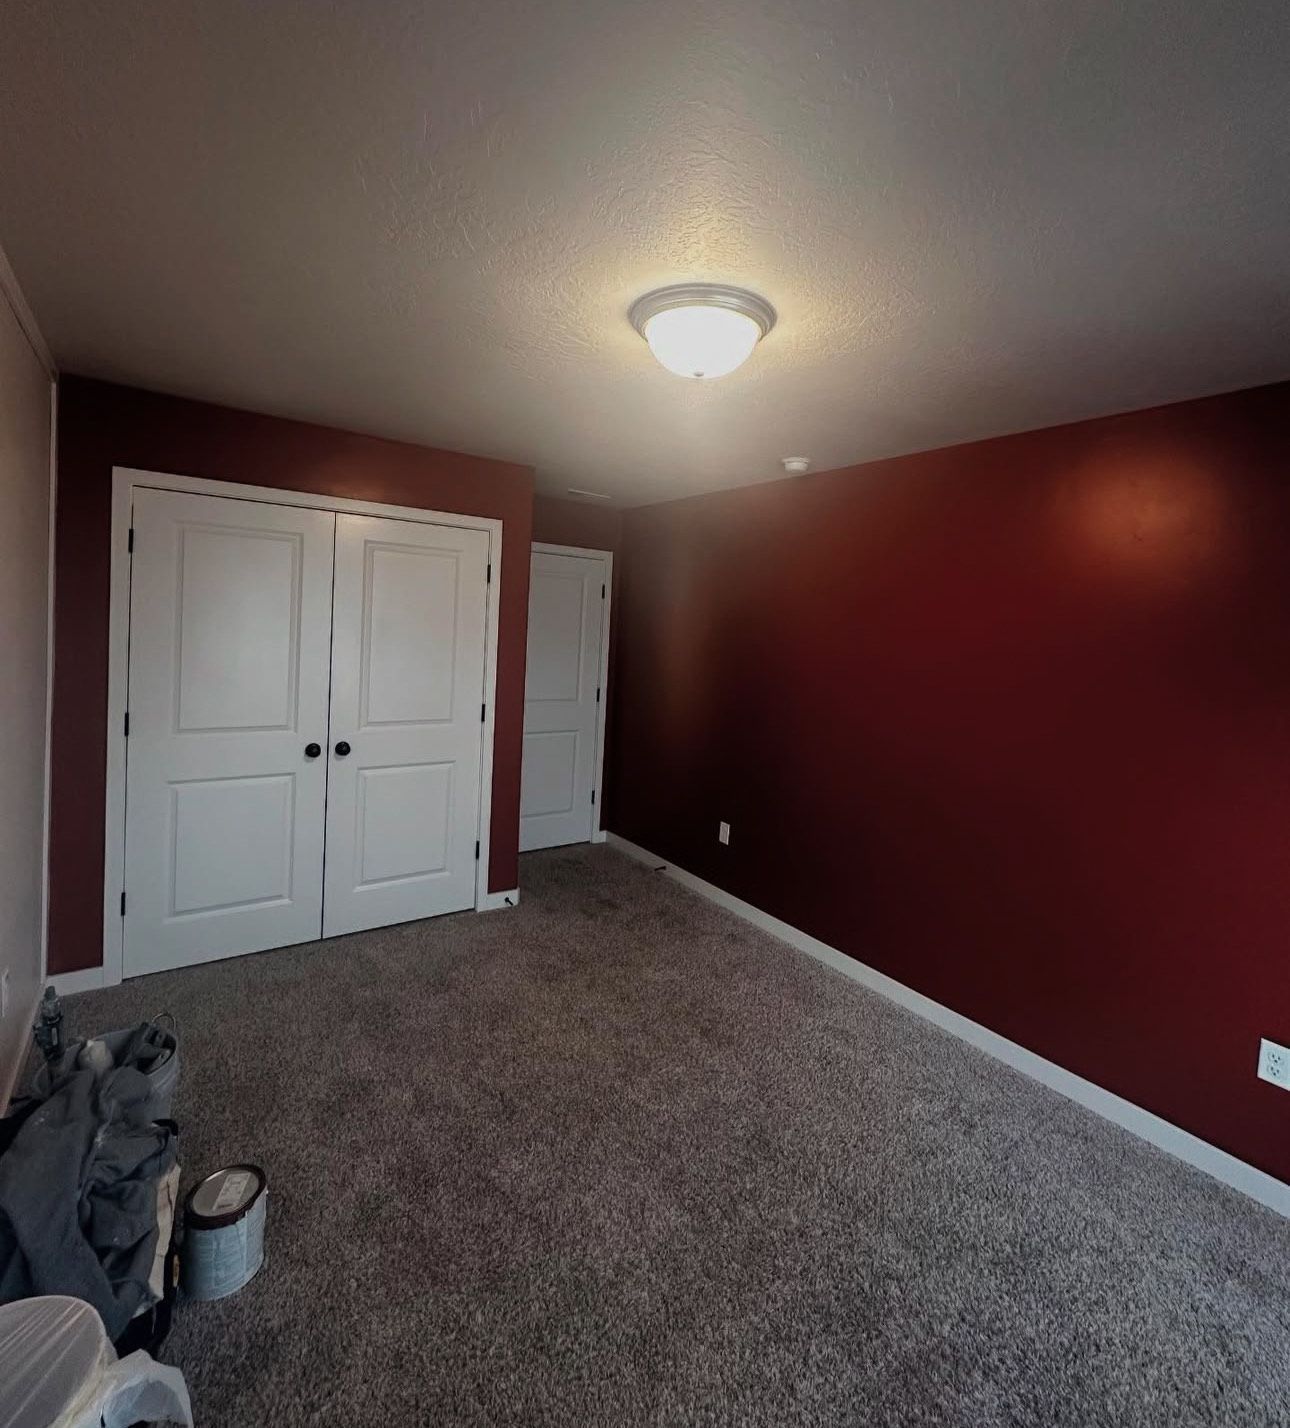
616,1158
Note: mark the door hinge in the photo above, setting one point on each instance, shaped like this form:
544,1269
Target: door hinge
127,723
593,797
488,573
123,904
476,848
602,591
483,712
597,694
129,544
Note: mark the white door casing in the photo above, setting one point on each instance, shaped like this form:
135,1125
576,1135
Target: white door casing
408,634
563,696
229,652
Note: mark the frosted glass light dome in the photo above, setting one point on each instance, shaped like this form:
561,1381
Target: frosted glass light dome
702,329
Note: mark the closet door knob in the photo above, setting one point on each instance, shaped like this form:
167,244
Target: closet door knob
342,749
312,750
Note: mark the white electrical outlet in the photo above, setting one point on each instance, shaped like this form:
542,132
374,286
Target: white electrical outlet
1274,1064
723,832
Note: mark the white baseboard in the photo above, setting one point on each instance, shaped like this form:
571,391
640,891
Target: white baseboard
91,979
1248,1179
67,984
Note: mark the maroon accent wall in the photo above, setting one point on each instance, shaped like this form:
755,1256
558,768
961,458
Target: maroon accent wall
1009,722
580,523
101,426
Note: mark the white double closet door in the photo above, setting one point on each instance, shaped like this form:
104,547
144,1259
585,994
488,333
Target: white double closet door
305,725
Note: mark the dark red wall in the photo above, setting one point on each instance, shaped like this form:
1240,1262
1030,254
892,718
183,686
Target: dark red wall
101,426
580,523
1010,722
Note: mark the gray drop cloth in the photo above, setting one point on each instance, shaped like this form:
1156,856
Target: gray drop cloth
78,1195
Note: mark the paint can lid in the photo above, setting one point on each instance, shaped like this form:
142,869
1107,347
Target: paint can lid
224,1197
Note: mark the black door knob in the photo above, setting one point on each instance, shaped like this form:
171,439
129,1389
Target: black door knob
312,750
342,749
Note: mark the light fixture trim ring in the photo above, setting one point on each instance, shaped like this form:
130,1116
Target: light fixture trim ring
702,295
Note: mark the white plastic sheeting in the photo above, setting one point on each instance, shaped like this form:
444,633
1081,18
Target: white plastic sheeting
59,1371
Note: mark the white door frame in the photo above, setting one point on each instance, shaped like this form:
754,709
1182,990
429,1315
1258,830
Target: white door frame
125,480
598,834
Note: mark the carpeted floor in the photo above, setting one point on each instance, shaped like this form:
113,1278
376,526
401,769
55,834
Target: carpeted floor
616,1158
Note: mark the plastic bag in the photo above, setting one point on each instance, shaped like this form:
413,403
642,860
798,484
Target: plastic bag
59,1371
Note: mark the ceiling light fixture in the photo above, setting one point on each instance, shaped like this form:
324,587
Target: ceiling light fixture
702,329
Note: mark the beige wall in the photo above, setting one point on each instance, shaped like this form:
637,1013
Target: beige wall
24,575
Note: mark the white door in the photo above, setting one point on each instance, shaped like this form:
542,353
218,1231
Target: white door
562,698
230,627
407,712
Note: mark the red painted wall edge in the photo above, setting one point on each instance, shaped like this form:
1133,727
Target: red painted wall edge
100,426
1008,721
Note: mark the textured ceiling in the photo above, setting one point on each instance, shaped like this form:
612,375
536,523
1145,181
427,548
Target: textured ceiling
428,220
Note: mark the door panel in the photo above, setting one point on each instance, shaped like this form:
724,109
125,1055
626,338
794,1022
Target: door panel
550,772
407,696
238,627
404,822
230,615
211,817
566,621
558,606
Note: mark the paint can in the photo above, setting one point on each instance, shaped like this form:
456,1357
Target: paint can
223,1245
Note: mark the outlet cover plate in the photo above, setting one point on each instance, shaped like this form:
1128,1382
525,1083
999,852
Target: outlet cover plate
723,833
1274,1064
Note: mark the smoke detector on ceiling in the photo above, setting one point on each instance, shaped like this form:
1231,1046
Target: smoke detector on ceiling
795,465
